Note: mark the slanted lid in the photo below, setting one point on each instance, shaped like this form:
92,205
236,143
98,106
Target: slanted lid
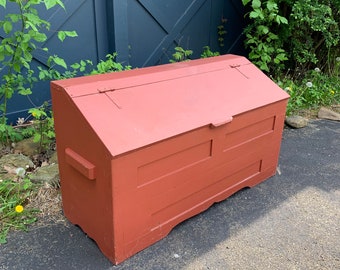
132,109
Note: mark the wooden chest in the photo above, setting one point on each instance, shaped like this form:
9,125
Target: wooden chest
142,150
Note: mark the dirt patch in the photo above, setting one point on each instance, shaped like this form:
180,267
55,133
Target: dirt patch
48,200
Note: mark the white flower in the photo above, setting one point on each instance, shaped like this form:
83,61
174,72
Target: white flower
337,59
309,84
20,172
317,69
20,121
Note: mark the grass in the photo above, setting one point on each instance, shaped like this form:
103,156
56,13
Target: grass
23,203
14,198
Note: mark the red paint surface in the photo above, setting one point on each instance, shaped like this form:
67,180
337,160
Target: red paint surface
165,142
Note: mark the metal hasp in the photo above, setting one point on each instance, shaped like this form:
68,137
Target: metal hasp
142,150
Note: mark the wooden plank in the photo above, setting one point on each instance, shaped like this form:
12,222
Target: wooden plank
118,38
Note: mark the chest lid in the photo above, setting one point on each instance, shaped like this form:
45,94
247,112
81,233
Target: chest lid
131,109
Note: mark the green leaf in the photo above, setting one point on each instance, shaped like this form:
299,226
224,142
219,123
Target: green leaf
75,66
24,63
10,93
271,5
71,33
27,184
36,137
263,29
2,56
50,134
25,91
281,57
60,3
256,4
34,2
16,67
264,67
265,58
51,3
272,36
59,61
3,3
33,19
40,37
7,27
254,14
42,74
254,55
27,56
31,25
280,19
14,17
245,2
26,38
61,35
37,113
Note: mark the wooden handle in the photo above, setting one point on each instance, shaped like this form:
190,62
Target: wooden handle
79,163
221,122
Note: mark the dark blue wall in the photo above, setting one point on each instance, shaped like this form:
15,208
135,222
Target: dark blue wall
145,32
142,32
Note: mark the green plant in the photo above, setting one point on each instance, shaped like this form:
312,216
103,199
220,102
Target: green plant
109,65
208,53
262,39
14,214
24,31
104,66
221,32
316,89
43,132
181,55
311,37
313,34
84,67
9,134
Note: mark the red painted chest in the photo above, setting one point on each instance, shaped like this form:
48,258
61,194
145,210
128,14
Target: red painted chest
142,150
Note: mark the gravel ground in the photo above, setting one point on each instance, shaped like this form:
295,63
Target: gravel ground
290,221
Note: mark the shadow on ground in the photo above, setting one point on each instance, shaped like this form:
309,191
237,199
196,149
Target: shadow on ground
290,221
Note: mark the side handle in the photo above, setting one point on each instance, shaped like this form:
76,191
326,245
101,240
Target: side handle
79,163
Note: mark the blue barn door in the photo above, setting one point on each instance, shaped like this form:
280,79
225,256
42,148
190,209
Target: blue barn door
145,32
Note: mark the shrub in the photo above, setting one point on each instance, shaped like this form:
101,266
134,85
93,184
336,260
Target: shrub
292,35
24,30
297,44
